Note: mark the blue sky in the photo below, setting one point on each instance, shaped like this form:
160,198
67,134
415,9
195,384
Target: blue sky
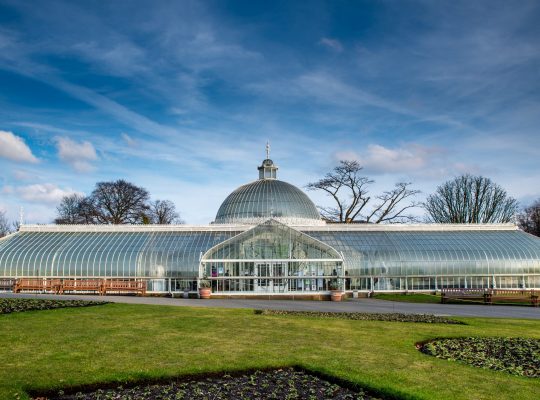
181,97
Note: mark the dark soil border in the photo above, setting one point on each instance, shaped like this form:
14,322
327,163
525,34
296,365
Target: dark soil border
44,394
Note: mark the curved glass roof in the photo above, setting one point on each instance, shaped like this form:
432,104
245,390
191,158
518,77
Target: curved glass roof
434,253
268,198
177,252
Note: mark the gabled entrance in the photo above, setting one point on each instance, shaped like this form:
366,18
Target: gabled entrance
271,258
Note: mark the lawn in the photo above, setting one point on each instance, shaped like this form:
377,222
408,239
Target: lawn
119,342
409,298
436,298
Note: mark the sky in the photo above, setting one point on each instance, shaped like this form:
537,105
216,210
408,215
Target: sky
180,97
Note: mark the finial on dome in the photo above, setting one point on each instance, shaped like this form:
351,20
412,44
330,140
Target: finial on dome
267,170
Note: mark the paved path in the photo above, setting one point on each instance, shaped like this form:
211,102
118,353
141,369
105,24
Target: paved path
356,305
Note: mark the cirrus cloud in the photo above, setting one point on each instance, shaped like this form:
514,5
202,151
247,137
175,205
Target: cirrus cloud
333,44
14,148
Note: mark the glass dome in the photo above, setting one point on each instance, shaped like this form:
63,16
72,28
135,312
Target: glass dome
267,198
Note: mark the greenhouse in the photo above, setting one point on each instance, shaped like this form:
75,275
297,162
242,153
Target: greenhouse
268,239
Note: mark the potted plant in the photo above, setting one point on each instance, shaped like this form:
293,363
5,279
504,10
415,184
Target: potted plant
205,289
335,291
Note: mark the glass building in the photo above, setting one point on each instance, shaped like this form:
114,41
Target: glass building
268,239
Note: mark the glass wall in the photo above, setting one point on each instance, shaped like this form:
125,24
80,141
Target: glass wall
160,254
432,260
272,257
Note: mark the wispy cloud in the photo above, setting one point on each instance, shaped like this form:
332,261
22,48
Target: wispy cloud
128,139
191,91
332,44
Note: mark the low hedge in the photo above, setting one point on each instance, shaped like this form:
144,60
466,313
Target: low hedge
11,305
392,317
517,356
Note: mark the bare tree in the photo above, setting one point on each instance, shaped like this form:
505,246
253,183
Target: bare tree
470,199
15,225
349,189
118,202
163,212
74,209
390,207
4,224
529,219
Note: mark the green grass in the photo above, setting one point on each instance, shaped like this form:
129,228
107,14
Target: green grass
119,342
436,298
409,298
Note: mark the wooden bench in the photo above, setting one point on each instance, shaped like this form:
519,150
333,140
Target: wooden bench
124,286
463,294
39,284
82,285
61,286
520,295
7,283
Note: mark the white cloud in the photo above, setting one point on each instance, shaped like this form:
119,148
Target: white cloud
42,192
333,44
380,159
412,161
14,148
78,155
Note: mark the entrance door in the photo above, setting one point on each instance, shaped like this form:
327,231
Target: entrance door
270,277
263,272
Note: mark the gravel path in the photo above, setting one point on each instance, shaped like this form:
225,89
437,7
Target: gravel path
352,305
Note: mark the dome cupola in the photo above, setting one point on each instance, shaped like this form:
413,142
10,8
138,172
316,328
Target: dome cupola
267,198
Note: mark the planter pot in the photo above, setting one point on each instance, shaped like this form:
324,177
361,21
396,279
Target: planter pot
205,293
336,295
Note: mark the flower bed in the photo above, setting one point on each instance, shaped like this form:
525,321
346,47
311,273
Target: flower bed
10,305
517,356
397,317
284,383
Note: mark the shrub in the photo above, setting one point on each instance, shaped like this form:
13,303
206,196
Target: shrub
10,305
517,356
396,317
